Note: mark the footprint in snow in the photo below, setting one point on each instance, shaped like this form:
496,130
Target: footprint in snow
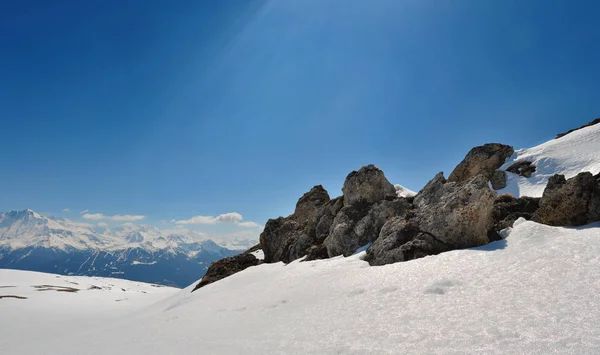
356,292
440,287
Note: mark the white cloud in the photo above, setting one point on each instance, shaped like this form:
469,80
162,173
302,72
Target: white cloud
66,210
250,224
121,218
102,224
82,224
84,211
232,217
225,218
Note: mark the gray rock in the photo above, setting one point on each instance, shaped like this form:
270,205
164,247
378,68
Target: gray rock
359,224
498,180
310,203
483,160
458,214
368,185
523,168
279,240
572,202
228,266
324,218
507,209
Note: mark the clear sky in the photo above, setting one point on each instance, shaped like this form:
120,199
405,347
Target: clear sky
169,110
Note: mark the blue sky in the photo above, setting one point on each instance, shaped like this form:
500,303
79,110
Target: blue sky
176,109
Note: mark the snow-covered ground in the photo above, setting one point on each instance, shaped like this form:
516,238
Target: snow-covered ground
570,155
36,306
536,292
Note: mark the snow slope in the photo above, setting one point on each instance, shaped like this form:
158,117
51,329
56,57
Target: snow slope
55,306
535,292
574,153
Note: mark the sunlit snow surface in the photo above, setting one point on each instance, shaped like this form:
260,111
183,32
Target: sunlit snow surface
535,292
576,152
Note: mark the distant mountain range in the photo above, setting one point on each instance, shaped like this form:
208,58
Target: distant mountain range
31,241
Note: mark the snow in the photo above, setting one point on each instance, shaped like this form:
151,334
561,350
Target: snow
57,306
259,254
402,191
577,152
535,292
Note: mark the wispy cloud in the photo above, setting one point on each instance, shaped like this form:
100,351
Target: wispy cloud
84,212
116,217
102,224
66,210
226,218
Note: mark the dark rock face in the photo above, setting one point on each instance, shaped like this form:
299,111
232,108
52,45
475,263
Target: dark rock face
324,218
572,202
229,266
507,209
498,180
596,121
482,160
359,224
523,168
317,252
446,216
368,185
310,203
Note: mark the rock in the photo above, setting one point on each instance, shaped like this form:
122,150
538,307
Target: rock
457,214
317,252
359,224
228,266
498,180
402,240
523,168
596,121
368,185
484,160
310,203
324,218
572,202
507,209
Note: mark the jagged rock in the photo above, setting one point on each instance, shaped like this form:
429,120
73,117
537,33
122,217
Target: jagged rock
446,216
596,121
498,180
368,185
288,238
507,209
310,203
228,266
458,214
359,224
324,218
523,168
572,202
484,160
317,252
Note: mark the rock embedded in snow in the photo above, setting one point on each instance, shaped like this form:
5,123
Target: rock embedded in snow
522,168
368,185
572,202
498,179
507,209
228,266
483,159
594,122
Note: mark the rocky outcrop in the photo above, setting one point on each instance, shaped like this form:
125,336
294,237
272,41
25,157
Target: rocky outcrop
445,216
523,168
572,202
507,209
498,180
288,238
596,121
482,160
368,185
226,267
359,224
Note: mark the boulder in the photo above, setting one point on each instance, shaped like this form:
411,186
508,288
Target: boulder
482,160
523,168
368,185
317,252
228,266
359,224
446,216
310,203
507,209
498,180
458,214
572,202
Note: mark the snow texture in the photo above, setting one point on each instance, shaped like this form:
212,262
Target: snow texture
535,292
577,152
